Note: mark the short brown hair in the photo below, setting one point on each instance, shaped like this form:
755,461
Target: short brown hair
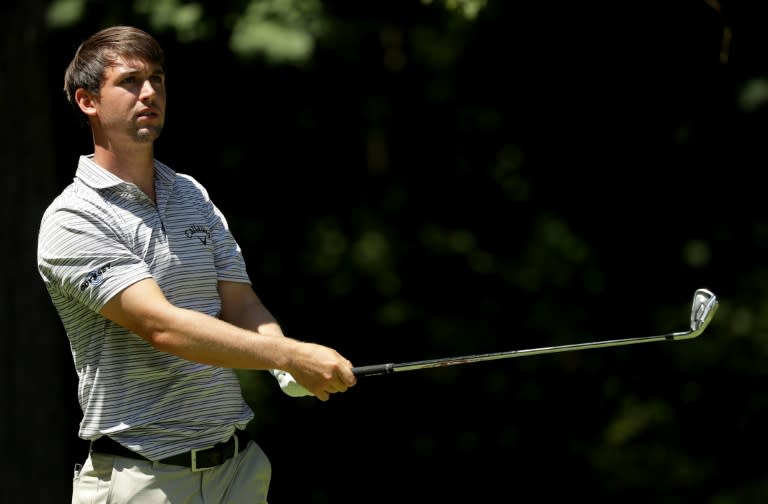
100,51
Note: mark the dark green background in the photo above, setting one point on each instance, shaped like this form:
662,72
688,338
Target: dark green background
426,184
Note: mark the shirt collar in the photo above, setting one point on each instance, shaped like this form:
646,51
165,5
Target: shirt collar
97,177
163,173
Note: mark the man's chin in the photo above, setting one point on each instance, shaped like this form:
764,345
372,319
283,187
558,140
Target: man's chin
148,135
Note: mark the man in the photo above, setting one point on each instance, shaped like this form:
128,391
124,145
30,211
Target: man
153,293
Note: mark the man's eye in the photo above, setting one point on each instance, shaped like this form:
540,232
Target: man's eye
129,80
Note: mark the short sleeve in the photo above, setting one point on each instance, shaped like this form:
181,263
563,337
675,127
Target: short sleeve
82,256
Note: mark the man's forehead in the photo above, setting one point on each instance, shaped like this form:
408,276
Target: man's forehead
123,64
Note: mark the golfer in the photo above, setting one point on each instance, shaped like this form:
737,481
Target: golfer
153,294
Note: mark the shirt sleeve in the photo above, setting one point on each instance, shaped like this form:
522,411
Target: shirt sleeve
82,256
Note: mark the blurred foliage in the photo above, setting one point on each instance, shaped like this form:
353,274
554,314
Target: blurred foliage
282,30
421,179
279,31
470,8
187,19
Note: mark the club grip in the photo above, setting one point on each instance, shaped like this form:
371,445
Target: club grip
376,369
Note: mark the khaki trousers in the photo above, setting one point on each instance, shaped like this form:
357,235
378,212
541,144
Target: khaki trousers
106,479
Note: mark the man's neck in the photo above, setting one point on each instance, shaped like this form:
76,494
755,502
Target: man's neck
135,165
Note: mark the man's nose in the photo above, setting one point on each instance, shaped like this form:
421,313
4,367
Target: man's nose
147,90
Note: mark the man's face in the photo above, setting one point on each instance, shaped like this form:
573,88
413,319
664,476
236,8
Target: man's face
131,102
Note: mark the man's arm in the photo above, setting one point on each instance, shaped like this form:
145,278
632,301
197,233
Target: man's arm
243,308
143,309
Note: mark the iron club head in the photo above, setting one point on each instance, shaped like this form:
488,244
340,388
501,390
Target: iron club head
705,305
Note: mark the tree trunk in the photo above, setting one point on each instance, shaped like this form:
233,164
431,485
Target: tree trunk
38,419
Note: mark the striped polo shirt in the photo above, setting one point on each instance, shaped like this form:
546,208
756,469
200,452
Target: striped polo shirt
99,236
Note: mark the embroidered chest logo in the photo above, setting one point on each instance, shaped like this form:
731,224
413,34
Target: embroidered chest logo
199,232
95,277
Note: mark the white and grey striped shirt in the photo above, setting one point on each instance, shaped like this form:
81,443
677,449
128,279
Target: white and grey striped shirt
102,234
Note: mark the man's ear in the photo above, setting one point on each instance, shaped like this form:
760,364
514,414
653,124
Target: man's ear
86,101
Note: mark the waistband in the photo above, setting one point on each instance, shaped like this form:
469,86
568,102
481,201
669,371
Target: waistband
197,459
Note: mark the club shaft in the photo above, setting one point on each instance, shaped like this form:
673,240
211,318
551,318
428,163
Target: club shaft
378,369
705,305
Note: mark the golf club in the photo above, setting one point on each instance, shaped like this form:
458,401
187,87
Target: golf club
705,305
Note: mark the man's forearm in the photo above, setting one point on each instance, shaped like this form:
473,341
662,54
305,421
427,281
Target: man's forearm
208,340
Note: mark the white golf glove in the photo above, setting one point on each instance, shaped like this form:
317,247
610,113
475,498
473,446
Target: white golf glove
288,384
